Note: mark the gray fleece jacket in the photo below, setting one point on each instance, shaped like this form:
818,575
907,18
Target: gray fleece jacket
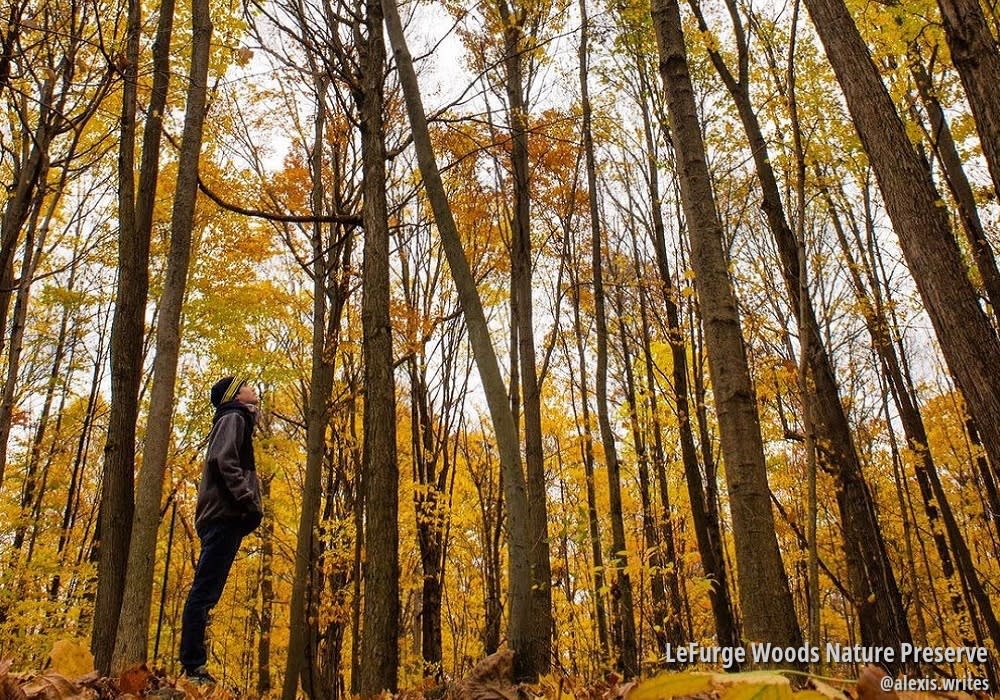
229,489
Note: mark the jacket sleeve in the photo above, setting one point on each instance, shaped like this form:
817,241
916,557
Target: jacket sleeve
224,452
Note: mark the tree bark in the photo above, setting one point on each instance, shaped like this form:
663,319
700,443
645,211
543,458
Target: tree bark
933,495
515,47
764,592
951,162
379,639
875,592
587,435
330,246
704,517
117,503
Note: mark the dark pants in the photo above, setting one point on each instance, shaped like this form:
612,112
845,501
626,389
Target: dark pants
220,541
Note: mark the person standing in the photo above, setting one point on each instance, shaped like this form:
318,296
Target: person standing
229,508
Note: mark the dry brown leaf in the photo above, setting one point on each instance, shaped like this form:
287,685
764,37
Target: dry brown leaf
490,679
9,688
53,686
868,687
134,680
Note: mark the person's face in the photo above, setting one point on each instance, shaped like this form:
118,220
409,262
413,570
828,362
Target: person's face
247,394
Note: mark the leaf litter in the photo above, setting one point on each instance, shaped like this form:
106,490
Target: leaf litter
69,675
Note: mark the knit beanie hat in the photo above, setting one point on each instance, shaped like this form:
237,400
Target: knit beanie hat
225,390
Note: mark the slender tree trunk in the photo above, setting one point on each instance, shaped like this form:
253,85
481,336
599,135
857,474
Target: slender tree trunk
330,247
595,537
666,562
593,522
764,592
28,184
653,559
875,592
78,463
515,46
933,495
14,351
515,490
951,161
127,332
628,653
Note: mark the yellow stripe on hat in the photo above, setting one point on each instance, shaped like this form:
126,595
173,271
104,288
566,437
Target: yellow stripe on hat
233,388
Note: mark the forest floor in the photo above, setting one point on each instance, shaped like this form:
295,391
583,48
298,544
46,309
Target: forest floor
70,676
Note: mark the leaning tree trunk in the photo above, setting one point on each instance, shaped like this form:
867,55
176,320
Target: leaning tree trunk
764,592
967,339
958,182
975,55
515,490
132,637
933,495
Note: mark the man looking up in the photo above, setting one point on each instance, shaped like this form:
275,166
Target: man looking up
229,508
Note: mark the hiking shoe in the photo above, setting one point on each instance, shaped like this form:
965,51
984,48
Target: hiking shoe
199,676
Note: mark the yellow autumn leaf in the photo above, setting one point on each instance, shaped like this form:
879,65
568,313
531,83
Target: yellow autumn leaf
71,659
762,685
668,685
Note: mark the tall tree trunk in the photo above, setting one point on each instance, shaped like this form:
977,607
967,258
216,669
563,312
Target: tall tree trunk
951,161
379,638
515,46
117,503
967,339
515,491
932,492
132,637
593,522
135,216
661,617
331,247
764,592
974,53
704,517
666,561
